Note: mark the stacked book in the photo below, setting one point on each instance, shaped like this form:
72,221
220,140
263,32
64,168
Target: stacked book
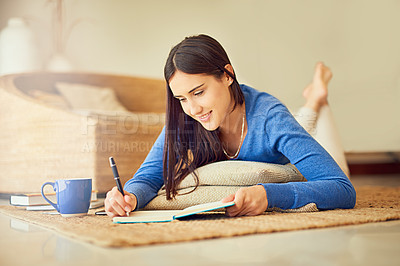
35,201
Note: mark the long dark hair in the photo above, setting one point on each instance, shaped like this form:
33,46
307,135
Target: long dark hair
188,145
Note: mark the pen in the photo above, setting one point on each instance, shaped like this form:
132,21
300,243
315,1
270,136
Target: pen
116,177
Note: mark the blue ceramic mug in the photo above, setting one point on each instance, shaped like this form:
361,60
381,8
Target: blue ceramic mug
73,196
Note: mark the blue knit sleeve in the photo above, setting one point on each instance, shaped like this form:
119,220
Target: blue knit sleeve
148,179
328,187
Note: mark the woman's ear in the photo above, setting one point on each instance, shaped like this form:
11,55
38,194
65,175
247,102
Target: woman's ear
229,68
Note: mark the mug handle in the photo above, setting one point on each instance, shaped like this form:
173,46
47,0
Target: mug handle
49,201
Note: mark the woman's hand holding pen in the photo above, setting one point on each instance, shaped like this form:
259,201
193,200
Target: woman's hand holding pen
118,205
248,201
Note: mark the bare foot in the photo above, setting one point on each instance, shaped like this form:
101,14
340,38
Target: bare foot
316,94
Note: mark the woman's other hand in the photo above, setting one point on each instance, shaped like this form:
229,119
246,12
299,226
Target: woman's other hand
117,205
249,201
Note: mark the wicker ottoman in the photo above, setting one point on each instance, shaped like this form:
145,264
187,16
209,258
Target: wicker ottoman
41,142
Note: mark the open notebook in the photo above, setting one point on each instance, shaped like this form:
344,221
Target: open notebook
170,215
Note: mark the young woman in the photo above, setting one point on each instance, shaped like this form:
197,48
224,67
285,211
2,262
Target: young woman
210,118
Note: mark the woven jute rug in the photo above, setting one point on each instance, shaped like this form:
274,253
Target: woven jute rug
374,204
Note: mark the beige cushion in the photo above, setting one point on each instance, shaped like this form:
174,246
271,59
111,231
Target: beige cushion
50,98
219,180
88,97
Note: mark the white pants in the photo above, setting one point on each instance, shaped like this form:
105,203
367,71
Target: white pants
322,127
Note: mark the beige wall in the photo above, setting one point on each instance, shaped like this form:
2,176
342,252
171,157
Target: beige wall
273,46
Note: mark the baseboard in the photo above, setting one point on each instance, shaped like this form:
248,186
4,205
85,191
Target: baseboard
373,163
374,169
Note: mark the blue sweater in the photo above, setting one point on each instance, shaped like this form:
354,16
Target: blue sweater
273,136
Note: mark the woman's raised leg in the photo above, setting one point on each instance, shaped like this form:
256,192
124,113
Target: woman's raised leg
316,117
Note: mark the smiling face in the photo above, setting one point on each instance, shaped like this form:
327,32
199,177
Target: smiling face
205,98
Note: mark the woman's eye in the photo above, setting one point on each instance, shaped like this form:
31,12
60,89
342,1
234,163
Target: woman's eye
181,99
198,93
